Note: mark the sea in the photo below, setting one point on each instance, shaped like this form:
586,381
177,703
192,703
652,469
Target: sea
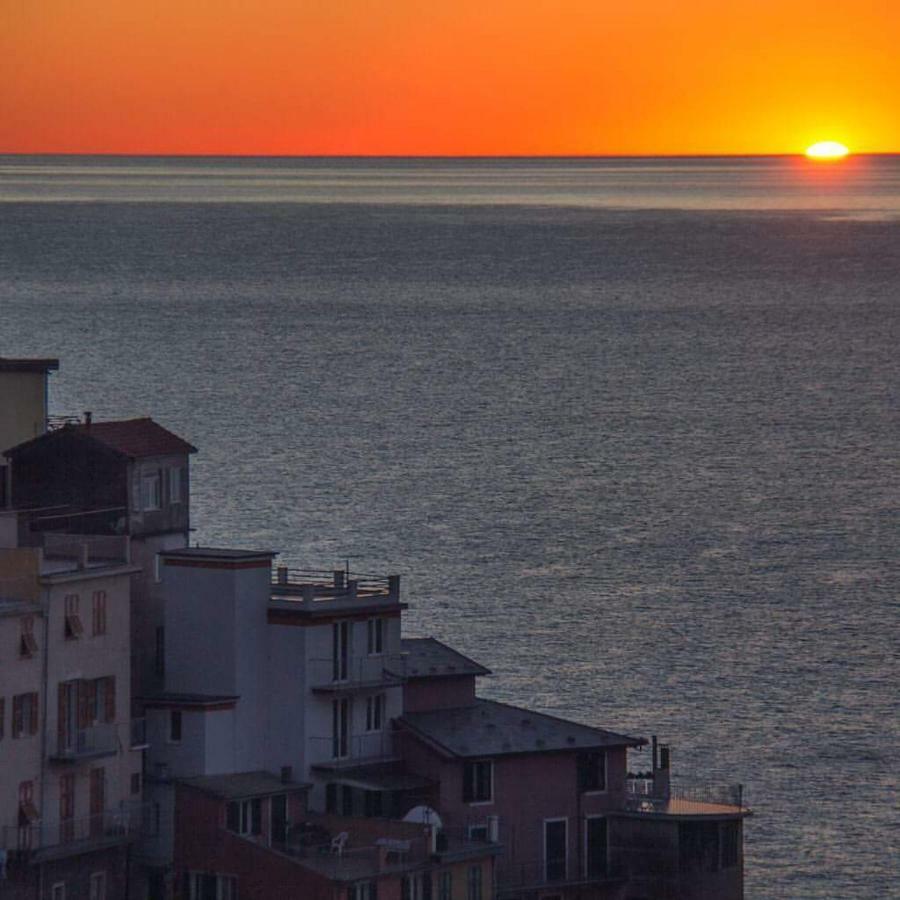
628,429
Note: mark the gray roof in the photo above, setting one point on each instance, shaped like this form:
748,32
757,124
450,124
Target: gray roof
489,728
429,658
240,785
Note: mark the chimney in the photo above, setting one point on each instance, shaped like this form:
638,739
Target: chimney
88,416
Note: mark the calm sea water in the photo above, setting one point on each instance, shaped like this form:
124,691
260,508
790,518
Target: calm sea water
628,428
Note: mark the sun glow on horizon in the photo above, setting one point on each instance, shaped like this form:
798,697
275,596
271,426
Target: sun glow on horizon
827,150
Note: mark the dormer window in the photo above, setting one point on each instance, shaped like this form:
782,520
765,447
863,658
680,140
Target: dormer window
151,491
73,627
27,644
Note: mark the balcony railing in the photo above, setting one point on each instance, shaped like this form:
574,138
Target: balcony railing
120,824
329,674
312,585
704,799
354,750
86,743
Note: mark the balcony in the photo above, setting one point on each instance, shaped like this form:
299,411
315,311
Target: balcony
331,753
361,673
71,837
87,743
684,802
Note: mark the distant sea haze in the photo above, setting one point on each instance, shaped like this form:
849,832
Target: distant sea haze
627,427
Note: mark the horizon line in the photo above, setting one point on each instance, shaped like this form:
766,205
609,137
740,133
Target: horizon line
427,156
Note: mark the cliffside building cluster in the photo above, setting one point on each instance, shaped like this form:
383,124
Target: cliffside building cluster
208,724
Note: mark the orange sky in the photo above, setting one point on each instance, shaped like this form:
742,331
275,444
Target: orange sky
448,76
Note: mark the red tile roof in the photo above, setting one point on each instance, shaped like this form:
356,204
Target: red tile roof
136,438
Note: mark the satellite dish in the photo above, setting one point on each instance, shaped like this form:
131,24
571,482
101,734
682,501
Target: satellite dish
424,815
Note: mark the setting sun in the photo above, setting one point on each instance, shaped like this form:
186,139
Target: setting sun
827,150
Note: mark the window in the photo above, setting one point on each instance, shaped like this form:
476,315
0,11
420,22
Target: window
340,728
473,883
340,651
374,804
24,715
415,887
97,800
174,726
98,613
58,891
595,840
245,816
2,717
104,691
591,771
135,782
375,712
478,778
73,626
445,885
209,886
66,808
376,636
151,495
27,645
98,886
175,485
556,839
362,890
478,832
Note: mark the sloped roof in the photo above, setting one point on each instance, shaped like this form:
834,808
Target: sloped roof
430,658
134,438
489,728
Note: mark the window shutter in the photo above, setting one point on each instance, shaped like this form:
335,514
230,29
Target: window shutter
17,724
110,711
33,725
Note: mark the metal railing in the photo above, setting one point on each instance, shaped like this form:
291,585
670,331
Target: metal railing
353,750
323,584
122,823
641,797
334,674
94,740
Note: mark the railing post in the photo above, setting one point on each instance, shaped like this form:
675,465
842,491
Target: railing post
282,572
339,579
352,585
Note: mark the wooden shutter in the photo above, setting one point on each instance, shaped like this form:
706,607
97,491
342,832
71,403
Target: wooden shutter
62,720
33,723
110,711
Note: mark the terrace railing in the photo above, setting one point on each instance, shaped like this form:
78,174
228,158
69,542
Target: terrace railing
85,743
354,750
119,824
327,673
640,796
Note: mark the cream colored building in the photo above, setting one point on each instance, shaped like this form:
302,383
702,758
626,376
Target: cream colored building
70,755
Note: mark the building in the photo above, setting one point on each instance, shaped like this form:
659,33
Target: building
127,477
70,779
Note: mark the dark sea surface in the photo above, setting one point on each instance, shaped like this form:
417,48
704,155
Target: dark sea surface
628,428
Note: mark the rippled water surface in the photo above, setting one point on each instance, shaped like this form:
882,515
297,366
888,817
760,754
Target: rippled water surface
629,429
